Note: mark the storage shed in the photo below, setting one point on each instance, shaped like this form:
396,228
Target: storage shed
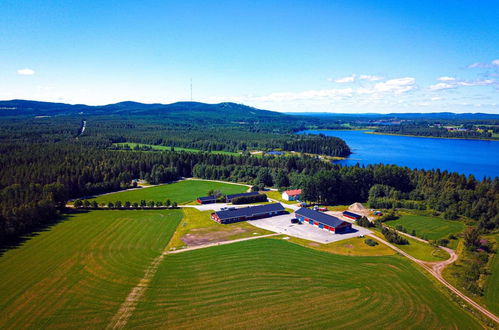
248,213
351,215
207,200
323,221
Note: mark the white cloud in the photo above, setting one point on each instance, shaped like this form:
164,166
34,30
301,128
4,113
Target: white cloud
396,86
26,72
493,63
370,78
343,80
455,83
446,78
441,86
486,82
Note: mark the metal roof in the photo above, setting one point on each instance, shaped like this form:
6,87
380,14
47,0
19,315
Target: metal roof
243,194
207,198
355,215
250,211
320,217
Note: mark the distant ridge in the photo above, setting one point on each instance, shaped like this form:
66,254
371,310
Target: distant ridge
37,108
236,111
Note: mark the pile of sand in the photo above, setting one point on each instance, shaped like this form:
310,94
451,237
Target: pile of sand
357,207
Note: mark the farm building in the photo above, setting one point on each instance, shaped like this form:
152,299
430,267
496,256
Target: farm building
207,200
351,215
292,195
248,213
229,198
323,221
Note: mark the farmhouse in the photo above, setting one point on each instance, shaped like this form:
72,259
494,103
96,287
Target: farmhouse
207,200
323,221
248,213
351,215
291,195
229,198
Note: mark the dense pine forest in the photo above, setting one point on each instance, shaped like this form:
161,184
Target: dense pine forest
47,160
454,129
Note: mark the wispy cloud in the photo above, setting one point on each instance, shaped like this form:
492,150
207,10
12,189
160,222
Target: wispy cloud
446,78
492,64
440,86
345,80
457,83
396,86
26,72
370,78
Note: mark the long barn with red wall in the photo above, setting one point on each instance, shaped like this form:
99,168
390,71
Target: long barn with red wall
323,221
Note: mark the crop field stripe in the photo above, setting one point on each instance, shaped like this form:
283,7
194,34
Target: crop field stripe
78,272
269,283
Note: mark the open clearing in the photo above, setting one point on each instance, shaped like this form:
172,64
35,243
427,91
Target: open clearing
270,283
78,273
180,192
197,228
432,227
165,148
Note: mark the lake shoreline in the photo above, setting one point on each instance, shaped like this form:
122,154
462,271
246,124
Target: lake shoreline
428,137
463,156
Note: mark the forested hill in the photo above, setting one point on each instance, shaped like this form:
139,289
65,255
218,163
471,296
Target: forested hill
227,110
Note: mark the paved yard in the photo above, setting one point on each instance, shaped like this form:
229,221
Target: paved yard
282,224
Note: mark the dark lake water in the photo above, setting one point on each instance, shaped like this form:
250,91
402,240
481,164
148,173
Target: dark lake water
480,158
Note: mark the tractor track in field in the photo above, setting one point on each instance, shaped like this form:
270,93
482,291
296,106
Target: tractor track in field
120,319
435,269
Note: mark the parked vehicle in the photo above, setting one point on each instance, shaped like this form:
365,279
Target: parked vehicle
295,220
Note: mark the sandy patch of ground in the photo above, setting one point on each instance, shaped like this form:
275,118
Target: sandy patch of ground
199,236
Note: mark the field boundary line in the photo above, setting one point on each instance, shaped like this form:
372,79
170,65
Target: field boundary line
120,319
204,246
439,277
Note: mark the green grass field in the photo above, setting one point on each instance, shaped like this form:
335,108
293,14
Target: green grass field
349,247
419,250
78,273
491,291
432,227
180,192
165,148
270,283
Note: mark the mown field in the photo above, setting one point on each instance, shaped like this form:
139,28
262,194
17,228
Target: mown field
432,228
78,273
166,148
180,192
491,292
269,283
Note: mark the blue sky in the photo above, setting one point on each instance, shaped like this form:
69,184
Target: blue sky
334,56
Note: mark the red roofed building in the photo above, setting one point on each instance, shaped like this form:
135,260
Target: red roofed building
292,195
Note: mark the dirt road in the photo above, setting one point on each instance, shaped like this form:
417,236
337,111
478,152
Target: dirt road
435,269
